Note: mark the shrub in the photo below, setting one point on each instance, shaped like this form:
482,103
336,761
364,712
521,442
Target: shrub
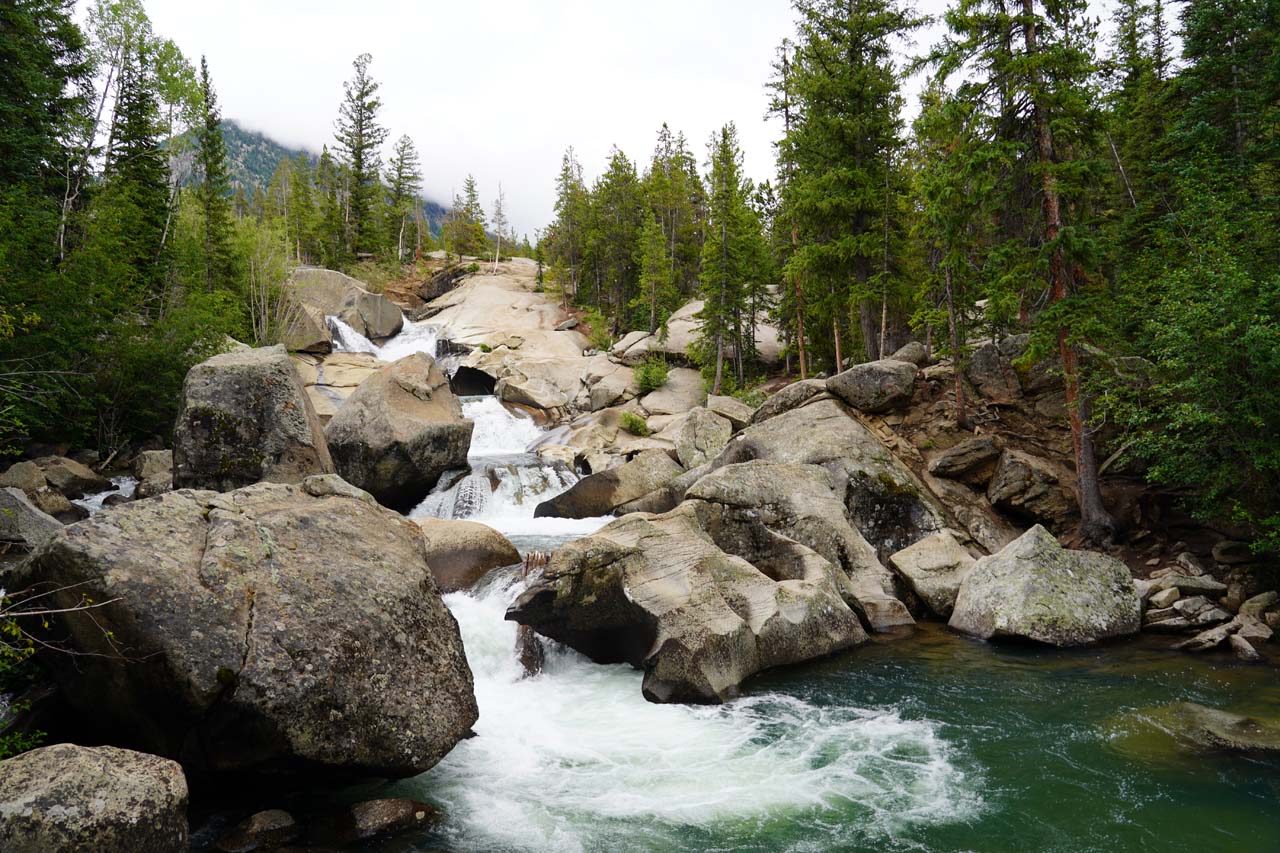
473,267
597,330
652,374
634,424
486,348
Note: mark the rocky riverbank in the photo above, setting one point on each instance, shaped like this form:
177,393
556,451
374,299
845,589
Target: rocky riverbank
257,607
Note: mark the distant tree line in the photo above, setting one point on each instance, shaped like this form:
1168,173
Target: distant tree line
1118,203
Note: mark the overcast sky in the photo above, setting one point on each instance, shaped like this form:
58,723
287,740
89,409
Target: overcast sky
499,89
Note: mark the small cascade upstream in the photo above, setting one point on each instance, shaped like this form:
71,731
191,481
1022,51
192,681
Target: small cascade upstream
122,485
413,337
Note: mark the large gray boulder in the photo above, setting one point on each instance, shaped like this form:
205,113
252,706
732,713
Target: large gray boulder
67,799
21,522
682,392
603,492
934,568
992,375
72,479
275,628
700,436
245,418
308,332
399,431
660,593
736,412
154,472
1037,590
759,502
876,386
333,294
460,553
883,499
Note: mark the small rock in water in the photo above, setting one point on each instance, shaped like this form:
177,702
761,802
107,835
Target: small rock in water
1243,649
263,831
376,817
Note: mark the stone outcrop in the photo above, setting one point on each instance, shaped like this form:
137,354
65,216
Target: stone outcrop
972,461
658,592
934,568
603,492
21,522
460,553
790,397
275,628
992,374
876,386
333,294
883,499
681,393
1029,487
913,352
736,412
308,332
154,472
245,418
399,431
66,798
70,478
1037,590
682,329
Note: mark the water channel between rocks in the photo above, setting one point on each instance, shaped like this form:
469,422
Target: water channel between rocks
928,743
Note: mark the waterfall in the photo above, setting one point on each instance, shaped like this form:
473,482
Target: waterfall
506,482
413,337
347,339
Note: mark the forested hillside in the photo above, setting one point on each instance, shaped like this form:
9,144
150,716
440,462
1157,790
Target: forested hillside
1118,200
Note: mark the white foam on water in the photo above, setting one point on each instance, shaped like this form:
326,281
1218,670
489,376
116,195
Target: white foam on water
575,759
499,431
124,485
347,339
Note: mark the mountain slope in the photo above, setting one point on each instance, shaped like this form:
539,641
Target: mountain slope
252,158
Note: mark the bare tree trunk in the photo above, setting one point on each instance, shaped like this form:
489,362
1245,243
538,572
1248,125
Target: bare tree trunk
715,388
962,415
795,282
1096,523
867,324
835,334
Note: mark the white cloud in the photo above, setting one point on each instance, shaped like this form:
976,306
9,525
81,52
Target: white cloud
499,89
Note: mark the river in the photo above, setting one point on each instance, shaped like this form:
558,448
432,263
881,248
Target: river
928,743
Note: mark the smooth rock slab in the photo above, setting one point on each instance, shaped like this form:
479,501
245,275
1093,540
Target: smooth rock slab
1037,590
67,799
602,493
22,522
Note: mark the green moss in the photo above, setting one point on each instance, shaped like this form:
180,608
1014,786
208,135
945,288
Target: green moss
635,424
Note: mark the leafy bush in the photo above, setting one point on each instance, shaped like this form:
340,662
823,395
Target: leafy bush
753,397
652,374
16,649
635,424
486,348
473,267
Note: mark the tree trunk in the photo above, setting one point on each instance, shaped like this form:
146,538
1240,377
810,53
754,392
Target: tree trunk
795,282
962,415
867,323
1096,524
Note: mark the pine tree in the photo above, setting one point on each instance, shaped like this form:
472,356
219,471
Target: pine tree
359,139
214,191
566,239
330,236
842,97
499,226
404,180
658,294
727,254
617,205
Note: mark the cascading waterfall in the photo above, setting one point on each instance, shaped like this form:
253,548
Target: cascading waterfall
575,759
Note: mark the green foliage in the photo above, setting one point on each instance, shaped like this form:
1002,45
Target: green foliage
359,138
16,649
634,424
651,374
596,328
